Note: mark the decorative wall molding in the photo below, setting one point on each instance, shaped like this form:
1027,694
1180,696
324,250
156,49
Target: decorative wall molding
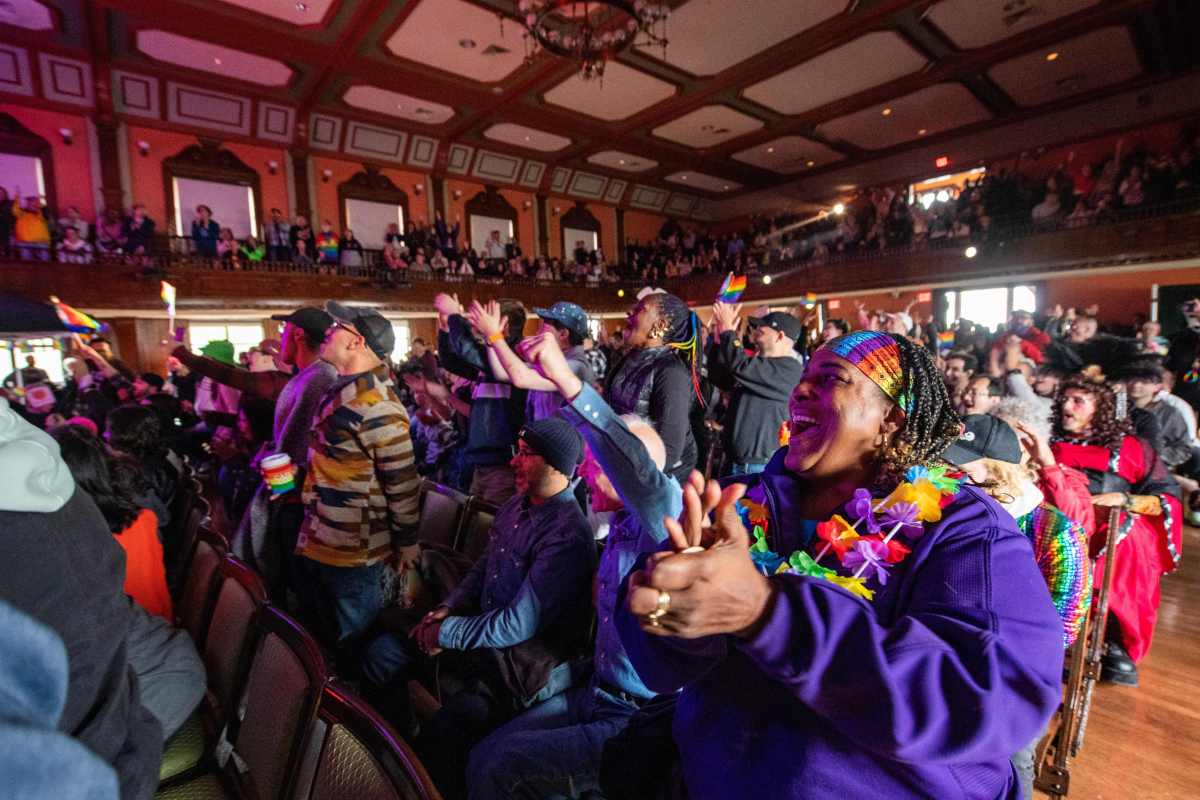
531,176
371,141
325,132
204,108
15,77
136,95
558,181
616,190
496,167
208,161
648,198
580,218
585,184
459,159
66,80
681,204
490,203
275,122
422,151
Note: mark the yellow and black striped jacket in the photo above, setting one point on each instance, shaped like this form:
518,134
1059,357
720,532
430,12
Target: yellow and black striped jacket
360,493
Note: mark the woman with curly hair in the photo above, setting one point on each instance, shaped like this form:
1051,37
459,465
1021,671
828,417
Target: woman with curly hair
819,658
1123,472
658,377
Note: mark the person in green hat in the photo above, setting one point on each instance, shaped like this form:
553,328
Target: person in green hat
216,403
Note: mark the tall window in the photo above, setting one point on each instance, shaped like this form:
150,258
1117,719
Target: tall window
23,172
573,236
482,227
244,335
369,220
232,205
989,306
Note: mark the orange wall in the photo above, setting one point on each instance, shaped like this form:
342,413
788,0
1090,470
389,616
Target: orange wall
146,173
72,163
642,226
342,169
515,198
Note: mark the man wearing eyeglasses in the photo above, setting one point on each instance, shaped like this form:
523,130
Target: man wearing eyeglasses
360,493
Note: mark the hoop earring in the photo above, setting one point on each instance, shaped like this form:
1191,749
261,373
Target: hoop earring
659,330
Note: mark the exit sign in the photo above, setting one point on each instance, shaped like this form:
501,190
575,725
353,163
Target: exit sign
924,297
941,162
834,305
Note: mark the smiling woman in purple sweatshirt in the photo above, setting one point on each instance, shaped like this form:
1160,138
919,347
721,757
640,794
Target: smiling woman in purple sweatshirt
794,687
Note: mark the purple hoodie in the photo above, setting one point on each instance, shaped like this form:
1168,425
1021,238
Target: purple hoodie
925,692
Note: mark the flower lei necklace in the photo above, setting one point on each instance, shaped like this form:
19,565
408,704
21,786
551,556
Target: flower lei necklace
870,554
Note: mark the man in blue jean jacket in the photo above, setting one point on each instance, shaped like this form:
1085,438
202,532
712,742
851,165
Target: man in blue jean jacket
555,747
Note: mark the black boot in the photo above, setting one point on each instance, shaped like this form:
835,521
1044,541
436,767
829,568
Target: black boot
1117,667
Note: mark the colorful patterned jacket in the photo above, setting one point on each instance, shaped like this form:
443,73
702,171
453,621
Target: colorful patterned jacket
361,489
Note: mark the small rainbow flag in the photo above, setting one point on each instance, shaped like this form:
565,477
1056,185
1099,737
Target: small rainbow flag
945,340
732,288
810,299
74,319
168,297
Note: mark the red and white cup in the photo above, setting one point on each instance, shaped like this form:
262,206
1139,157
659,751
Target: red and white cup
279,473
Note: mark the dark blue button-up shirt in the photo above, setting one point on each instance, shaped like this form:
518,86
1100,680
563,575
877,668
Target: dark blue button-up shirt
534,573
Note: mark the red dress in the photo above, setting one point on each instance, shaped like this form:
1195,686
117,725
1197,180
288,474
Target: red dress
145,574
1149,546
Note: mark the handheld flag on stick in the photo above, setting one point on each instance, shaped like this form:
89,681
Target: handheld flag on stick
74,319
168,297
945,340
810,299
732,288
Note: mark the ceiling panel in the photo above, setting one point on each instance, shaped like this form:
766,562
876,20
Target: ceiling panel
789,154
923,113
709,36
28,14
623,92
1100,58
626,162
708,126
205,56
305,12
529,138
862,64
394,104
975,23
459,37
698,180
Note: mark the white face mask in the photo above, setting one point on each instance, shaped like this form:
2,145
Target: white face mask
33,476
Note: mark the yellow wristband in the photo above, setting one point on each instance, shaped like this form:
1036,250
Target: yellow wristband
495,337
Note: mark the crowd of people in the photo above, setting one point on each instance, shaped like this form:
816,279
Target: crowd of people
702,571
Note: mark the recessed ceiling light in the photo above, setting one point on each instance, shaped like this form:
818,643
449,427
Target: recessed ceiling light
1052,56
466,44
887,112
217,61
621,161
527,138
725,187
683,177
922,132
497,90
770,149
810,163
302,7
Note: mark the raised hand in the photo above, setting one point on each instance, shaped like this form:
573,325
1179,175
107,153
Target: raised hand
447,305
543,352
486,318
725,317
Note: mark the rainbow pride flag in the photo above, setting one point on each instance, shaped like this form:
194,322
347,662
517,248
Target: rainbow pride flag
74,319
732,288
810,299
945,340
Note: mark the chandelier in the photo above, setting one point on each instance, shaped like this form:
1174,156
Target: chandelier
591,32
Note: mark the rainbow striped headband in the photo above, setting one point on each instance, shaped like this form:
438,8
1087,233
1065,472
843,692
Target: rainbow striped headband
878,357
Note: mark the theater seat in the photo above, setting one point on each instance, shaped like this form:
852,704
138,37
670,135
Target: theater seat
199,589
442,511
476,526
229,635
183,752
206,787
353,753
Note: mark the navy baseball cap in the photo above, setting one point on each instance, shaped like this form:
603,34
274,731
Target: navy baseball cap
569,315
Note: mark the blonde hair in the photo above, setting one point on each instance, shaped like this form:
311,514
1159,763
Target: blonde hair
1005,480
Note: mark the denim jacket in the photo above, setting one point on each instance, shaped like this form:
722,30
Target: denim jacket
532,580
649,495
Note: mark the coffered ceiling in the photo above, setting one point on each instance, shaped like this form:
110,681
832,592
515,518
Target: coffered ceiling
754,103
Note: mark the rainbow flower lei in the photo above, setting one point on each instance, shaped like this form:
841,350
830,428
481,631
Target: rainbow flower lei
868,546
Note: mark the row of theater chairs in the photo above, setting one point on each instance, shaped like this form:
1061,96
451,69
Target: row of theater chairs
274,725
452,519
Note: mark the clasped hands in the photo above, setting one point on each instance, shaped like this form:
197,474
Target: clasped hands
426,632
707,584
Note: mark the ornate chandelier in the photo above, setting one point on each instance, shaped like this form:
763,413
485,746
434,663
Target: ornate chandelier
591,31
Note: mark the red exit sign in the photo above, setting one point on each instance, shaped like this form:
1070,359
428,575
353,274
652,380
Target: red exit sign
941,162
924,297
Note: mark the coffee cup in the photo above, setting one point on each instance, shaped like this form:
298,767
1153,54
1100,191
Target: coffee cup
279,473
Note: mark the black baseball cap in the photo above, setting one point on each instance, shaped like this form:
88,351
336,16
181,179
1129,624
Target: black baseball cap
984,436
309,319
786,324
371,325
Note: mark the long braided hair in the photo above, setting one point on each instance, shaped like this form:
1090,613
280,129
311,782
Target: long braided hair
1106,429
930,422
682,334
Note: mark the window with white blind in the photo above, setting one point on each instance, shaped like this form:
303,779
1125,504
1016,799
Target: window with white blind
369,220
22,172
232,205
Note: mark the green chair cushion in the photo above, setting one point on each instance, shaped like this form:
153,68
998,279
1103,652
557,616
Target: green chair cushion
184,750
206,787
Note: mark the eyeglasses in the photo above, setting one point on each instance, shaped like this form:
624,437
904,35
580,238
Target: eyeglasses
337,323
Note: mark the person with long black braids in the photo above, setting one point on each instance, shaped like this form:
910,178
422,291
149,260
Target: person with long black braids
856,621
658,376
